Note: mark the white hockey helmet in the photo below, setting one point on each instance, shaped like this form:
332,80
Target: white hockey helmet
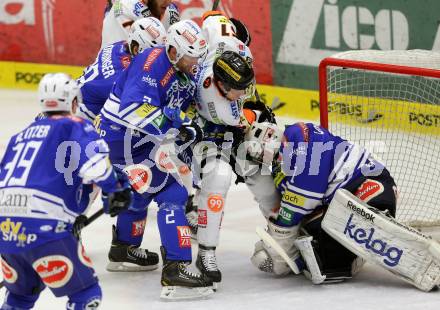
263,141
147,32
187,38
56,92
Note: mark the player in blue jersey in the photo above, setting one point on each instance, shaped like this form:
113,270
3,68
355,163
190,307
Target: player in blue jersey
98,78
310,166
41,177
147,103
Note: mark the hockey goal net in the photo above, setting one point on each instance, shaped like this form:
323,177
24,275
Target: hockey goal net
389,102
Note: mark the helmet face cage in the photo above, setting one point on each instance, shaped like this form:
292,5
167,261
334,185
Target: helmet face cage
234,72
56,92
187,38
146,32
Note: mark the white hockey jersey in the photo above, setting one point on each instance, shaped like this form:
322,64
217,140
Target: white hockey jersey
122,15
211,104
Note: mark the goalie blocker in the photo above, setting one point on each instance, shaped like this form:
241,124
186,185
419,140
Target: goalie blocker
380,239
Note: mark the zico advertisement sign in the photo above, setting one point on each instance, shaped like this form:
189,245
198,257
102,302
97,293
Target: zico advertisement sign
306,31
69,32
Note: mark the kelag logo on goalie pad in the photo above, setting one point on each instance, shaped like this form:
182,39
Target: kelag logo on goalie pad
361,236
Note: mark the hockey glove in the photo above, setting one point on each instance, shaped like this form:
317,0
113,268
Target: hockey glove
80,223
266,115
119,200
190,132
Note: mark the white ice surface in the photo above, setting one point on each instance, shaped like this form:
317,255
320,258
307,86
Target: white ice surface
243,286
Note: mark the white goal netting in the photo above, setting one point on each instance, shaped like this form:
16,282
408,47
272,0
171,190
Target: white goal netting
389,101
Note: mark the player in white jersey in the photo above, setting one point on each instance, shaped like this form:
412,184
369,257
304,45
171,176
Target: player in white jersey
123,13
224,81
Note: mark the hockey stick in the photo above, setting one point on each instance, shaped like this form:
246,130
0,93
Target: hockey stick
273,244
215,5
89,220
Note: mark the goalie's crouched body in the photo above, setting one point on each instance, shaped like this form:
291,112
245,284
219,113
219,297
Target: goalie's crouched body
337,208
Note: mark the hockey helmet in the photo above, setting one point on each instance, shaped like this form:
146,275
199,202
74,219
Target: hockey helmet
146,32
56,92
187,38
263,141
233,71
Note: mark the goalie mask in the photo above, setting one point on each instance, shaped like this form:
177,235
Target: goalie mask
56,92
263,142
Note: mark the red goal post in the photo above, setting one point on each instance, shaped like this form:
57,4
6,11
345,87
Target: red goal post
389,101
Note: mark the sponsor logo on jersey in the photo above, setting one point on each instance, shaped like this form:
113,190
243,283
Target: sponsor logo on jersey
379,247
159,121
235,112
54,270
202,219
145,110
139,177
369,190
16,203
293,198
10,275
167,77
362,212
152,58
285,215
137,228
16,232
207,82
83,257
184,235
215,202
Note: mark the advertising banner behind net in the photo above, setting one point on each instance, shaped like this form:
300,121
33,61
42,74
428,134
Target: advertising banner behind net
69,32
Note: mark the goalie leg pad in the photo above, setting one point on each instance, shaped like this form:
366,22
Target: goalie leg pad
404,251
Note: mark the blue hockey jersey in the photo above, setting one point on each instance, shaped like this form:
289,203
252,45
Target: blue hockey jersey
97,80
313,164
150,96
41,179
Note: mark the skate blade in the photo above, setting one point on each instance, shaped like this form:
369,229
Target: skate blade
176,293
128,267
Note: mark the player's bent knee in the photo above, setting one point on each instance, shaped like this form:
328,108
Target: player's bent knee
89,298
